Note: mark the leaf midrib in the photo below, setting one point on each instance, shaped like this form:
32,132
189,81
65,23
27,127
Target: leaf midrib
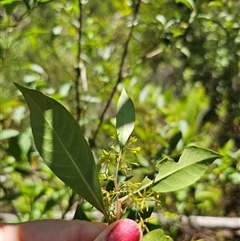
68,154
157,180
181,168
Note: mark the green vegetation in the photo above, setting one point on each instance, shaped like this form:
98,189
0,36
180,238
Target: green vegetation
179,63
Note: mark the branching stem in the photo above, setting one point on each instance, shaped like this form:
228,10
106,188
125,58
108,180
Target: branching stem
119,201
20,18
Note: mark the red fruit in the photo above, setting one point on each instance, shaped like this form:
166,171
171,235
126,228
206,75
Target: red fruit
125,230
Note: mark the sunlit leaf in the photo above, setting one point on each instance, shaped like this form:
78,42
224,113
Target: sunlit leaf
173,176
156,235
61,144
8,133
125,117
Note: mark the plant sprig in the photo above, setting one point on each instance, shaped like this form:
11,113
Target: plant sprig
125,194
77,168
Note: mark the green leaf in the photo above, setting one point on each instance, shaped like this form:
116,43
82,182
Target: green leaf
80,214
44,1
174,141
10,5
125,117
27,3
10,196
14,148
173,176
188,3
61,144
157,235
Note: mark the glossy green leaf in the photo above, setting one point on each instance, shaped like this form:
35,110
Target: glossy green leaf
60,142
173,176
125,117
156,235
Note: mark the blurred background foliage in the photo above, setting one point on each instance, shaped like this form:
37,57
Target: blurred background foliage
182,72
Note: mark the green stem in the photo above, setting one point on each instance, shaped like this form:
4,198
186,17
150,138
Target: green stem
118,203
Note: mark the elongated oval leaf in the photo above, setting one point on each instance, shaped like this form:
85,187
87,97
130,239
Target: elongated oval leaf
125,117
61,144
173,176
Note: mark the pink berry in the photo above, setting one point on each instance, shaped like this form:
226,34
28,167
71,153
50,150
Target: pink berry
125,230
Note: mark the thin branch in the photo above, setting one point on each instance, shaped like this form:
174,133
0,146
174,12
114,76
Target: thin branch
20,19
118,204
120,77
78,67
